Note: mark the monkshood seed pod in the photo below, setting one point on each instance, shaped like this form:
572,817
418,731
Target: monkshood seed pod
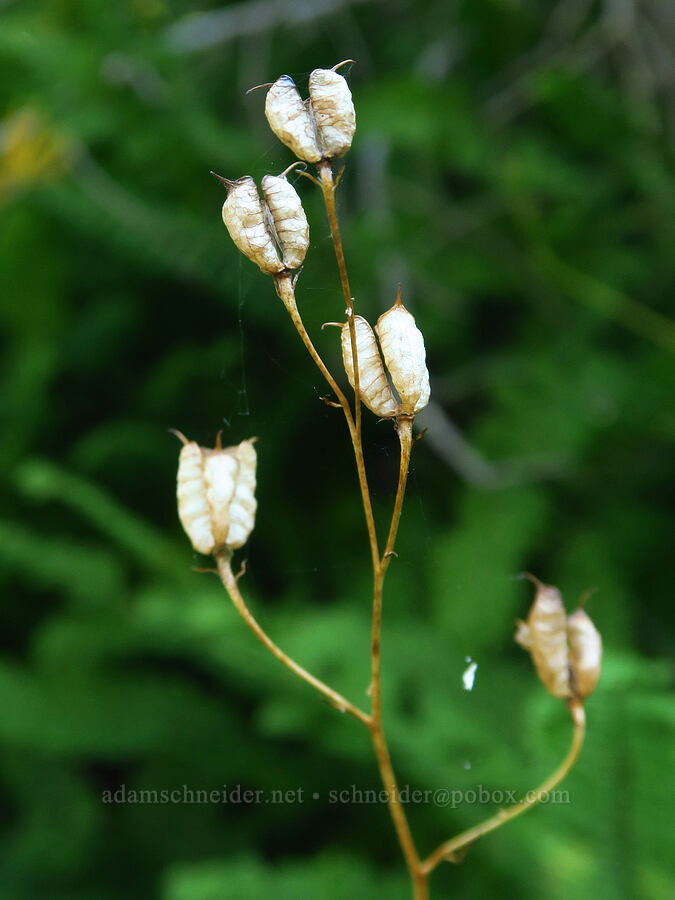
373,385
288,219
333,111
405,357
585,653
216,494
245,219
544,635
261,229
243,505
291,120
315,129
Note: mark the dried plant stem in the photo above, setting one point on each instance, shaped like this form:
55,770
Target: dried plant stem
229,580
380,565
286,291
404,428
328,190
397,811
450,849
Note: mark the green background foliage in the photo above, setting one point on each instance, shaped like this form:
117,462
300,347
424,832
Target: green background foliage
512,169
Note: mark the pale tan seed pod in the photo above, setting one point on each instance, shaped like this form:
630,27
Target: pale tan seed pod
220,473
291,120
243,506
216,494
373,385
405,356
245,218
194,510
523,635
585,653
333,111
544,635
288,218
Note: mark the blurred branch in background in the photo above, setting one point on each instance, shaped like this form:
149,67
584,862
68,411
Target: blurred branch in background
202,30
639,32
452,447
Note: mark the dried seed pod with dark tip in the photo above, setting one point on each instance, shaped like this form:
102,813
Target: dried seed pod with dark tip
288,219
374,388
333,111
544,634
585,653
245,219
216,494
405,356
291,120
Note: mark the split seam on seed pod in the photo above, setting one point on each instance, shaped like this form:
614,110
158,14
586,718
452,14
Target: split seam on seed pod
272,232
216,494
321,127
566,650
404,353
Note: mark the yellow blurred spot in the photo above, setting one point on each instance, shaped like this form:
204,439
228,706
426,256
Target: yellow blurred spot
31,152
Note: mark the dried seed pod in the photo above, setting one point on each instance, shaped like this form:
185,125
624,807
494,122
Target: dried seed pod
194,510
216,494
405,356
523,635
544,634
373,385
333,111
243,506
585,653
220,472
245,218
290,119
288,217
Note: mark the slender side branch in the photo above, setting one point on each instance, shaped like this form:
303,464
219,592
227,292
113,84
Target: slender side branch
449,849
404,430
397,811
286,291
229,580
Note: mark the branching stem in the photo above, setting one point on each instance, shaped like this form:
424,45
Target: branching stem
224,562
419,879
286,291
451,850
380,565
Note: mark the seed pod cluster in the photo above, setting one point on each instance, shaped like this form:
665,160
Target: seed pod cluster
321,127
273,232
404,353
566,650
216,494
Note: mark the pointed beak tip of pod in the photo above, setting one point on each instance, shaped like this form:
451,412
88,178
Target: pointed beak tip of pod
226,181
257,87
179,434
